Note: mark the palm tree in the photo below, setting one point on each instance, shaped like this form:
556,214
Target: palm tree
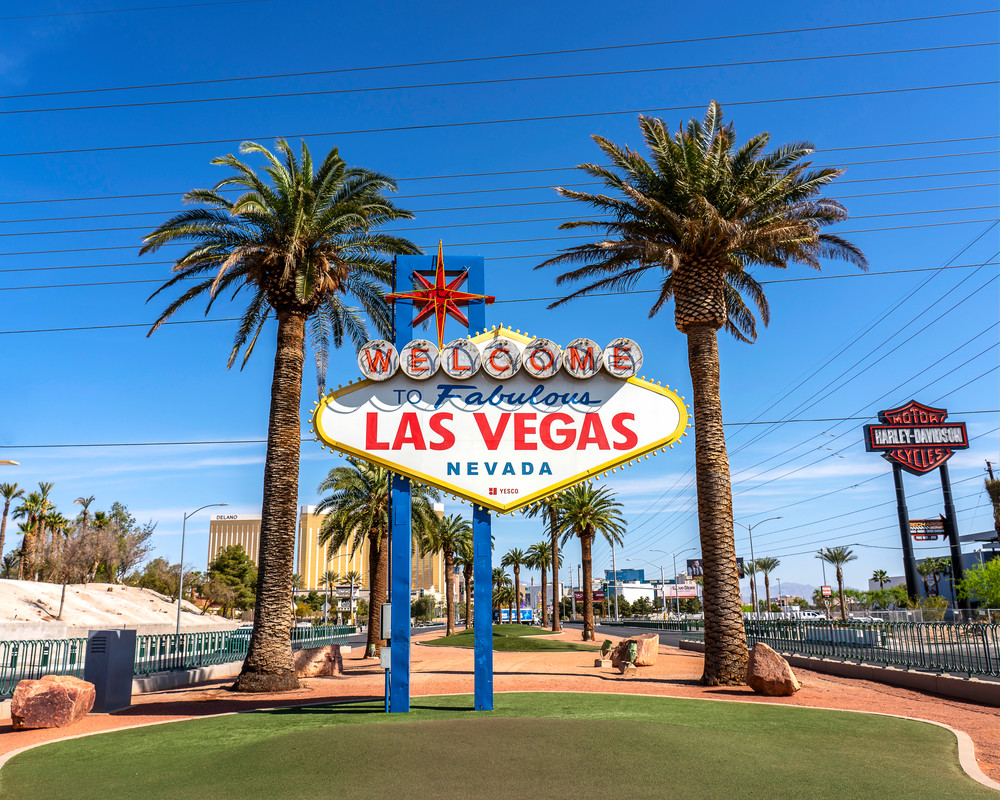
584,512
540,558
357,510
515,558
464,559
300,244
838,556
9,492
330,579
882,577
749,570
31,508
767,565
698,216
353,578
447,536
503,588
550,507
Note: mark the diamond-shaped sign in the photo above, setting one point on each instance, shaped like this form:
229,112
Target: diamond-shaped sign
501,443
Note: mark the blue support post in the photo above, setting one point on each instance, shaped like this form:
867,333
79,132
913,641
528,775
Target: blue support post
482,572
401,563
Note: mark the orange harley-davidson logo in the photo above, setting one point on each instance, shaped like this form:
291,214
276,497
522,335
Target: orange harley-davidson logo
916,437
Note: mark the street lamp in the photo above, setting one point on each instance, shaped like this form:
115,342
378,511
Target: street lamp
180,583
662,583
677,601
753,575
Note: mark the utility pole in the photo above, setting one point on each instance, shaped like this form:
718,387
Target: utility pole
614,571
572,593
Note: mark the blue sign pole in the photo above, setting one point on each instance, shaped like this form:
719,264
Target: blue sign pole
400,534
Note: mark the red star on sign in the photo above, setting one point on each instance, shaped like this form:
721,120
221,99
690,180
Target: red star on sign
439,299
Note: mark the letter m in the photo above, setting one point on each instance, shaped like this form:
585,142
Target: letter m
576,361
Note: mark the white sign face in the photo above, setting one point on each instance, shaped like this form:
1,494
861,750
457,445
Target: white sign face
501,443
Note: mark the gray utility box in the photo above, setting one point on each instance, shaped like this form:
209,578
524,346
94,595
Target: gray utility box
109,666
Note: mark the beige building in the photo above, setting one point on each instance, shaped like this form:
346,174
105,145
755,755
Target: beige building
312,559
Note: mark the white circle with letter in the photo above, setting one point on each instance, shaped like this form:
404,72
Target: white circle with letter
378,360
622,358
420,359
460,359
541,358
582,358
501,358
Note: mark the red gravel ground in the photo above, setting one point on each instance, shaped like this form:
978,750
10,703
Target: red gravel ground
447,670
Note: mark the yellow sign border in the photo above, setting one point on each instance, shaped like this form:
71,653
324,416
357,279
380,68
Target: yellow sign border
520,502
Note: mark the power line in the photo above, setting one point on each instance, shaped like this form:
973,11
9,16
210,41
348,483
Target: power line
503,121
499,57
491,81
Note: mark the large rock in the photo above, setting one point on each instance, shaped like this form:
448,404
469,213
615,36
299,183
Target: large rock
320,662
647,648
53,701
768,673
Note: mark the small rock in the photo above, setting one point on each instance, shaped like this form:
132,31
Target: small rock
628,671
54,701
602,662
769,674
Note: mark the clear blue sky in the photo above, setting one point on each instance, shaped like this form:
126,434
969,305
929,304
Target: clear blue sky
921,186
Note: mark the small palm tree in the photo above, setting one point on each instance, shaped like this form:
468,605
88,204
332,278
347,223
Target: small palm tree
353,578
301,242
882,577
838,556
464,560
9,492
697,216
357,510
515,558
32,507
540,558
502,586
549,507
767,565
749,570
447,536
330,579
585,512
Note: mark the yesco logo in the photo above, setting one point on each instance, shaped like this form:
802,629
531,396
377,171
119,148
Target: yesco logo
500,358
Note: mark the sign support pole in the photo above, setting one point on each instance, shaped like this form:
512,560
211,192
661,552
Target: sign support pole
400,542
951,531
909,563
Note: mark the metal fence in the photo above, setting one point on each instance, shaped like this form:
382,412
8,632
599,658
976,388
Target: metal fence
30,659
680,625
972,648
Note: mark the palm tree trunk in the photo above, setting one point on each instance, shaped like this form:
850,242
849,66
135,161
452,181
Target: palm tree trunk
467,577
840,591
725,637
556,601
377,592
586,543
449,600
517,594
767,591
545,598
3,526
268,666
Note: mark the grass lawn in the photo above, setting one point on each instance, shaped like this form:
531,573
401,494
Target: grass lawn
514,639
533,745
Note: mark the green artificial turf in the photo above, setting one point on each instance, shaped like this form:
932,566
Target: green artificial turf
514,639
533,745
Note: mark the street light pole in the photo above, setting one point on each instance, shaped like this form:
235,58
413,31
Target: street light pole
753,575
662,582
677,600
180,583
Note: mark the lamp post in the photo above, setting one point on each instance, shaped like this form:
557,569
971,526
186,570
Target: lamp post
753,575
677,600
180,583
662,582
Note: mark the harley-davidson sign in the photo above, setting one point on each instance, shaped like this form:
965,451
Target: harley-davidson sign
916,437
500,419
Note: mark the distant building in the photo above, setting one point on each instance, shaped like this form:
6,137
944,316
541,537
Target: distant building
312,559
625,575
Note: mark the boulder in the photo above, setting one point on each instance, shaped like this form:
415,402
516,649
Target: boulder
769,674
648,648
53,701
319,662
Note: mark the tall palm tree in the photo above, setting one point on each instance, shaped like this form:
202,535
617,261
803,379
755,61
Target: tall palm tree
330,579
550,508
697,216
357,510
353,578
515,558
749,570
882,577
301,242
767,565
447,536
464,559
838,556
503,589
585,512
9,492
31,508
540,558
